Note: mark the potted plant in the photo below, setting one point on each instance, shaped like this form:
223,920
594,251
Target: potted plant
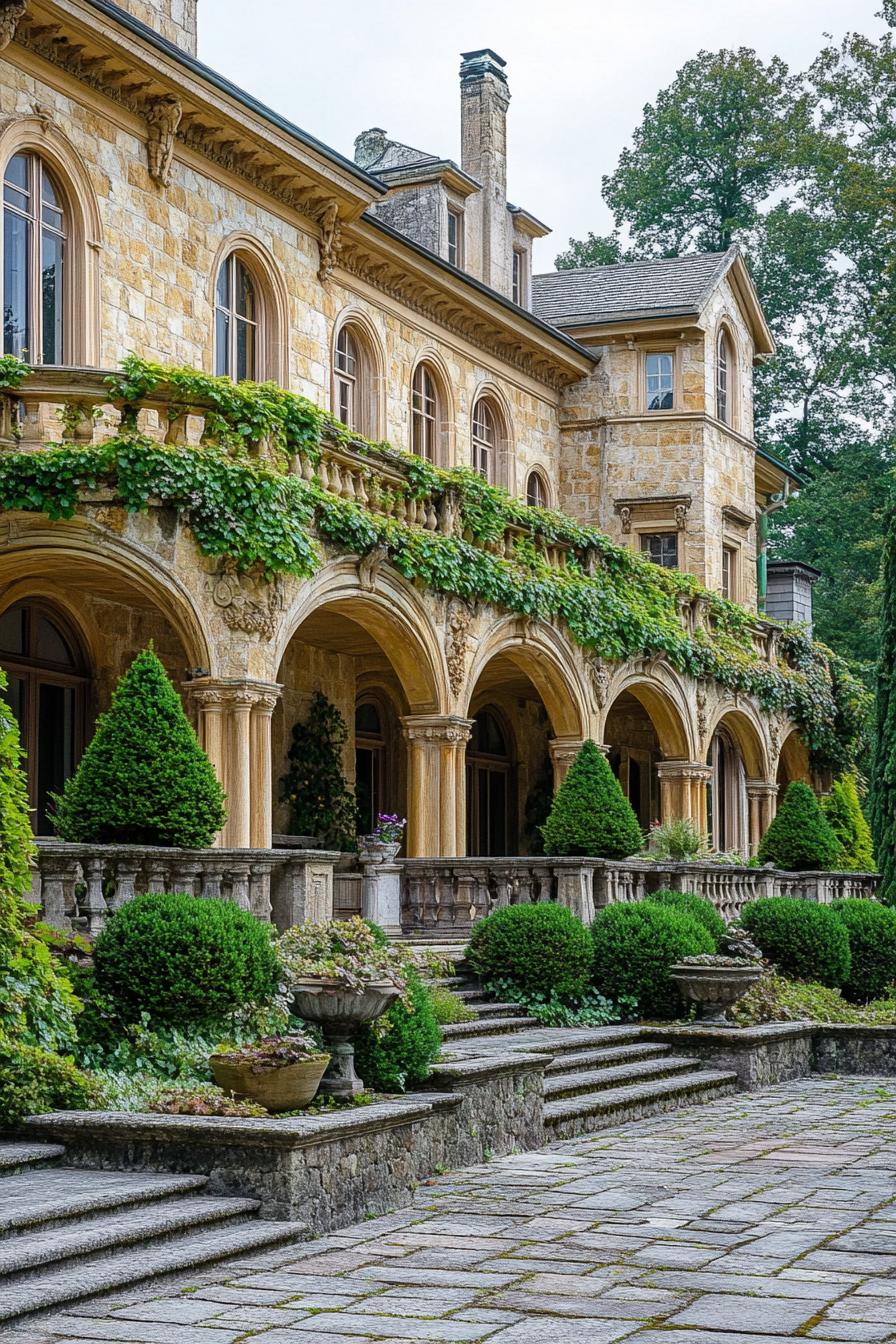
281,1073
384,841
341,975
716,981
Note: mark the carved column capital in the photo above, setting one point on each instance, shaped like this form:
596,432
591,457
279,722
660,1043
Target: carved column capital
11,11
436,728
683,770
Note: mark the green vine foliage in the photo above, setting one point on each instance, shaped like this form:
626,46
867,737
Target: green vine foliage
241,496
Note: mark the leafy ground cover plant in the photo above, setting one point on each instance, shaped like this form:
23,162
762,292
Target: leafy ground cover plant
677,840
698,908
590,814
799,838
537,949
184,961
803,939
775,998
351,951
586,1010
872,945
634,947
398,1050
448,1008
144,779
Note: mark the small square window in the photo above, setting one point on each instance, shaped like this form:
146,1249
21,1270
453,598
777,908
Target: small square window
659,370
661,548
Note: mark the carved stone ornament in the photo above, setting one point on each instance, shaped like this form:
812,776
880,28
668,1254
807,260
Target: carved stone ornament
702,717
11,11
244,604
330,240
369,566
163,117
44,114
599,677
625,518
458,620
681,516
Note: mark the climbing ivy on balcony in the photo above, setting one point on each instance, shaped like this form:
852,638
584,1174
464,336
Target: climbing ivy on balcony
241,500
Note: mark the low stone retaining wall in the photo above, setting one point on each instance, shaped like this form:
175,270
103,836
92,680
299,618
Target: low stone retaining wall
329,1170
780,1052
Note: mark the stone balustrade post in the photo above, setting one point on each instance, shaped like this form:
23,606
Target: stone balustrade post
437,789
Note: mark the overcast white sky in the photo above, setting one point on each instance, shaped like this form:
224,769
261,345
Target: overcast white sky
580,71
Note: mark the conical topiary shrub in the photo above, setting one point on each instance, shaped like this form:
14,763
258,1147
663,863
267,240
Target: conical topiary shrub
847,820
800,839
591,815
321,803
144,779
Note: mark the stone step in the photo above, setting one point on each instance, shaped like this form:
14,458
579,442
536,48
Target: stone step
58,1286
16,1157
23,1255
487,1009
50,1196
490,1027
568,1117
600,1055
574,1082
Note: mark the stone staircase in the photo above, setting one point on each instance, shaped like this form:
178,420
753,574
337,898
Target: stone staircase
67,1233
598,1077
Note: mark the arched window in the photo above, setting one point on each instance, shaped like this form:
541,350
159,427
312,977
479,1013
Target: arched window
47,690
536,491
357,378
486,439
34,247
348,369
425,414
723,374
237,319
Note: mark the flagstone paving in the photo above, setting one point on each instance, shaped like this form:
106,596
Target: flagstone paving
758,1219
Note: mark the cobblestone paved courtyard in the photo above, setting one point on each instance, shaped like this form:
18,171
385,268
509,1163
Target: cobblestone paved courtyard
766,1217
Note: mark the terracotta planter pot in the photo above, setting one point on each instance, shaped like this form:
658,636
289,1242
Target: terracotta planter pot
282,1089
340,1012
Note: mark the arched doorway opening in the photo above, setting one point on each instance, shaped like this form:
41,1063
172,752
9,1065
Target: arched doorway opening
793,763
643,728
43,656
492,822
726,796
380,784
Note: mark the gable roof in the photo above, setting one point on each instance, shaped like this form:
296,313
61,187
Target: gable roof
664,287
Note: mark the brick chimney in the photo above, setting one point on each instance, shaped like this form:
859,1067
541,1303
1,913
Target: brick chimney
173,19
484,96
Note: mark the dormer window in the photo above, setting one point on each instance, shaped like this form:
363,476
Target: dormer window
520,277
723,394
455,237
660,381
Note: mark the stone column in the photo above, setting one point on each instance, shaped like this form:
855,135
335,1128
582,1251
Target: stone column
235,730
683,791
563,751
436,784
212,703
762,796
261,806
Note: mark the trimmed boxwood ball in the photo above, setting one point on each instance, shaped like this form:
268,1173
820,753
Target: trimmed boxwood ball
144,779
539,948
184,961
634,946
698,907
398,1051
872,944
805,941
800,838
590,814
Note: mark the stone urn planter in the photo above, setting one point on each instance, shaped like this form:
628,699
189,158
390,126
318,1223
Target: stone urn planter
277,1073
714,985
339,1012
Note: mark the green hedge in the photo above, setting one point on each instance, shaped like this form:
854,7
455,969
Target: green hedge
872,944
538,948
634,946
698,907
399,1050
590,813
805,941
185,961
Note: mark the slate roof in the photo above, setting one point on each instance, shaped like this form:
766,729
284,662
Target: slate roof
666,287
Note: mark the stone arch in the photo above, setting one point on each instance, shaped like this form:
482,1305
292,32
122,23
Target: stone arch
370,415
432,361
645,725
664,700
391,612
793,762
746,728
273,325
36,135
546,659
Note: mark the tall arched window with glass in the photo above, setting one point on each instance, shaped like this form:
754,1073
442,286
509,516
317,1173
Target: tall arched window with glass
723,399
236,321
348,368
34,242
485,439
425,414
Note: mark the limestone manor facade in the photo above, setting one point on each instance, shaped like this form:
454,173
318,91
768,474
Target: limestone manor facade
152,207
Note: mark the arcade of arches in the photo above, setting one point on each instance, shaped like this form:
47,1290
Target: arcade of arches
462,721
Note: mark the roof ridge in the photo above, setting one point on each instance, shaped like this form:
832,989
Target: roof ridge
626,265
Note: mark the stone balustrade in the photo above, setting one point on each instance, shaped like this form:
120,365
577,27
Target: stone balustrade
449,895
78,886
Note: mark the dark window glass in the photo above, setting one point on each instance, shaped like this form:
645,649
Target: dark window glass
536,495
236,322
33,262
662,548
16,264
52,248
55,746
49,646
367,719
12,631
